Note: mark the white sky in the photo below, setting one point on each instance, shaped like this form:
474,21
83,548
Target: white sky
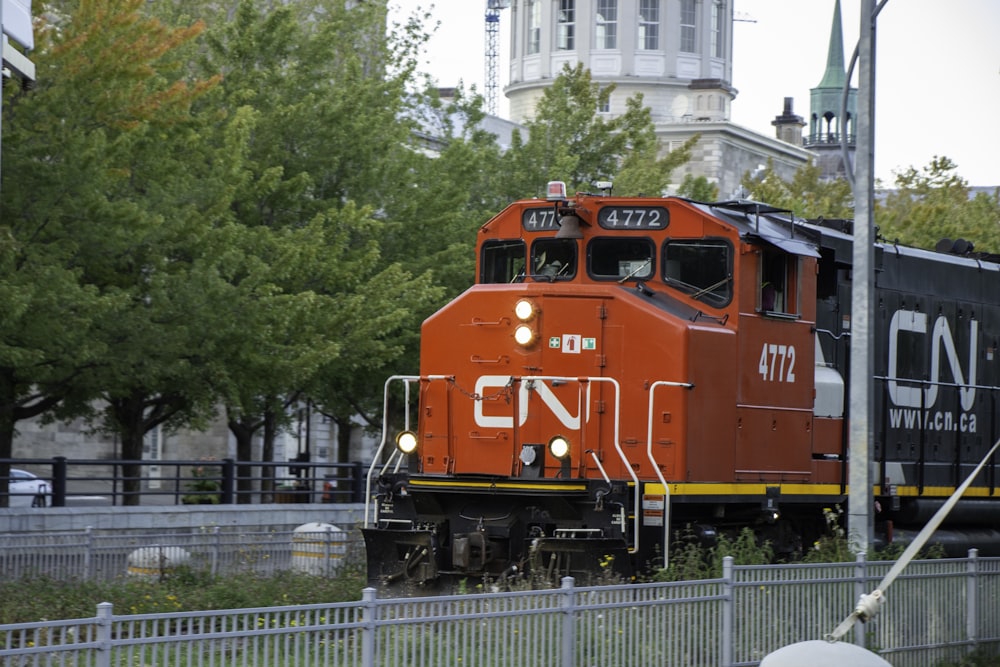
937,71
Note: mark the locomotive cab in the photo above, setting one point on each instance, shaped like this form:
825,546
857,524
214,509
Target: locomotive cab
607,378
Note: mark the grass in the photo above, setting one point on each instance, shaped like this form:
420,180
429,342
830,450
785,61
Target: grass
38,598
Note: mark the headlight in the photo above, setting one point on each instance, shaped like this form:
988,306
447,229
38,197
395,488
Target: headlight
524,335
524,310
559,446
406,441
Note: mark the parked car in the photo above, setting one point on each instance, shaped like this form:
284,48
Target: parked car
28,490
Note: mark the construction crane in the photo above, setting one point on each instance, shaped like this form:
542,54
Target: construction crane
493,8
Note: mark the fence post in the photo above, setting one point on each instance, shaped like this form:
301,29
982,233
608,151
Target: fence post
972,598
216,549
567,603
368,627
59,481
728,604
327,550
357,482
105,611
88,535
226,493
860,588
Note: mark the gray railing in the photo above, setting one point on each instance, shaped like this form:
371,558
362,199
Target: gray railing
936,612
174,482
103,556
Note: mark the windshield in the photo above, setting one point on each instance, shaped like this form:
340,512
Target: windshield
553,259
620,258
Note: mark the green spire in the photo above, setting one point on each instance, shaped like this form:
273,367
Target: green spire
835,74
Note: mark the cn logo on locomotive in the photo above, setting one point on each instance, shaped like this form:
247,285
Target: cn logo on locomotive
542,390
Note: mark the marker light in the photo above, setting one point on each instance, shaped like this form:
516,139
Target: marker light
406,441
559,446
524,310
524,335
555,191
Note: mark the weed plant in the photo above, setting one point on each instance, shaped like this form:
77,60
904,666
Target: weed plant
39,598
981,657
691,559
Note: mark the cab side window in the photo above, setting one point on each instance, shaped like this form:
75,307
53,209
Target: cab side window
502,261
777,282
702,268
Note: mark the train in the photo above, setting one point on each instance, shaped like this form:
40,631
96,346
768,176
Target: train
629,369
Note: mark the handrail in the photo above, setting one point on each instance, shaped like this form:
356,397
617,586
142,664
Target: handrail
385,430
656,468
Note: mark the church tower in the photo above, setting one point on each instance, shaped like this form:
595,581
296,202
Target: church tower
828,124
677,53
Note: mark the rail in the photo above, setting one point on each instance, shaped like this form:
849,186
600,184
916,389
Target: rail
175,482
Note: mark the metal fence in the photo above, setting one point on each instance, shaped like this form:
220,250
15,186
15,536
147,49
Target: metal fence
936,612
97,555
76,482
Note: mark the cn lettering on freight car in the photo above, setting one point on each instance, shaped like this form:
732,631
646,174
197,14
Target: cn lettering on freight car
915,323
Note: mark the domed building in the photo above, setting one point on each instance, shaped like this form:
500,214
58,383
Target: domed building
677,53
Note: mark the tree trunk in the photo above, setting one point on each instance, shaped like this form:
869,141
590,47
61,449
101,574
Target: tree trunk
267,452
243,430
129,412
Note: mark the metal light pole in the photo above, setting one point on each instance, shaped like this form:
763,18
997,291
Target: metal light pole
861,393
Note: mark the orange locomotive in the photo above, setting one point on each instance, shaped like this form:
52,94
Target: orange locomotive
627,367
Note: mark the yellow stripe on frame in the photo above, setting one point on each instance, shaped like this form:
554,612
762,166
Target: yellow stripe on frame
747,489
496,485
759,489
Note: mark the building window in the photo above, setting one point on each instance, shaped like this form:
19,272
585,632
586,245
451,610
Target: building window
607,24
688,26
566,27
604,106
649,25
718,29
534,26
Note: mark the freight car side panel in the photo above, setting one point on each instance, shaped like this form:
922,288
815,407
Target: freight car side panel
934,367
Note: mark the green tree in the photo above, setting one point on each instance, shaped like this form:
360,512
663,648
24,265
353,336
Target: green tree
935,203
107,183
328,159
698,188
567,139
807,195
642,170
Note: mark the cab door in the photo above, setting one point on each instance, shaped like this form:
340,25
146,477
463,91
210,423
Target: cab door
776,380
